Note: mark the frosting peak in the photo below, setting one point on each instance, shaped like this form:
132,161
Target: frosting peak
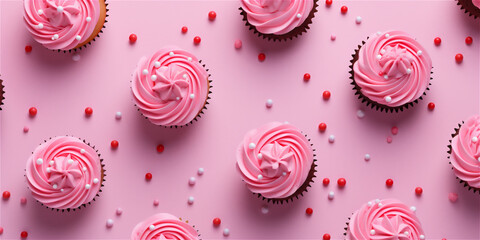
61,12
163,226
65,172
395,61
171,83
276,159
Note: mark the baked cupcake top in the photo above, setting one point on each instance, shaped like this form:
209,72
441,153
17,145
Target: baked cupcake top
64,173
465,156
61,24
163,226
387,219
392,69
170,88
277,17
274,160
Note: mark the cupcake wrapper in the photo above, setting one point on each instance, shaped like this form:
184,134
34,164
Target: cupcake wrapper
200,113
77,49
186,221
465,184
346,228
298,31
2,93
301,190
99,190
469,8
373,104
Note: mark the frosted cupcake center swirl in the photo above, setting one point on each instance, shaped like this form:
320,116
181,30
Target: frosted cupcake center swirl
276,159
465,157
65,172
171,83
61,12
395,61
391,227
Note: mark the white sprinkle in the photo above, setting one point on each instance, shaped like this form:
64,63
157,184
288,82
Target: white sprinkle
189,59
331,195
226,232
177,98
153,77
387,35
88,19
151,227
377,200
382,51
413,208
372,232
145,72
379,204
55,186
109,223
379,56
48,169
284,173
192,96
76,57
55,36
360,114
333,37
369,204
78,37
84,169
331,139
269,103
185,76
358,20
299,15
385,76
70,161
61,190
367,157
40,26
259,156
388,99
251,145
264,209
422,236
190,200
51,163
87,186
40,12
409,70
260,177
39,161
419,53
478,159
170,53
157,64
191,181
119,211
379,33
200,171
82,151
474,139
118,115
406,233
95,180
59,9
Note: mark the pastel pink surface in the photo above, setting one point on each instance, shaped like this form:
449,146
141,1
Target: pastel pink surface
61,88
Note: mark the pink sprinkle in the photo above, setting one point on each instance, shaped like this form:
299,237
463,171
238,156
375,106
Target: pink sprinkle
23,200
26,129
156,202
452,197
1,230
389,139
119,211
109,223
238,44
394,130
333,37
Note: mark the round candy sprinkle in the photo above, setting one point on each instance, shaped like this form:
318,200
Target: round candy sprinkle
226,232
1,230
341,182
331,195
6,195
326,181
184,29
394,130
309,211
331,139
326,95
269,103
360,114
322,127
344,9
264,210
26,129
109,223
389,139
367,157
216,222
413,208
119,211
326,236
437,41
418,191
468,40
28,48
156,202
114,144
197,40
261,57
32,111
453,197
431,106
191,200
191,181
160,148
88,111
389,182
132,38
306,77
23,200
148,176
200,171
118,115
358,20
459,58
76,57
212,15
24,234
238,44
328,3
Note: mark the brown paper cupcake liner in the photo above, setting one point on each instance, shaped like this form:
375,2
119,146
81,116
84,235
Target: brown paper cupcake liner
469,8
194,227
465,184
200,113
346,228
301,190
298,31
101,183
2,93
373,104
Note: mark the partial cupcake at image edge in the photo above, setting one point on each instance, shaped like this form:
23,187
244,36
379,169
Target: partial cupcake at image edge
384,219
164,226
277,162
278,20
65,173
171,88
65,25
2,93
471,7
464,153
390,71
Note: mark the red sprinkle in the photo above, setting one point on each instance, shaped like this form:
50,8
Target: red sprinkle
160,148
394,130
322,127
309,211
24,234
88,111
326,95
1,230
28,48
437,41
459,58
344,9
418,191
261,57
197,40
389,182
341,182
32,111
148,176
326,236
212,15
326,181
328,2
216,222
468,40
184,29
6,195
431,106
389,139
306,77
132,38
114,144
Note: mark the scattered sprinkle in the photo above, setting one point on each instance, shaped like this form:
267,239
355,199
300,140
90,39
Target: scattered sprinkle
344,9
184,29
468,40
389,139
23,200
358,20
238,44
226,232
453,197
261,57
326,181
118,115
264,210
437,41
197,40
212,15
132,38
160,148
156,202
360,114
367,157
26,129
200,171
394,130
341,182
331,195
191,200
431,106
109,223
76,57
119,211
269,103
459,58
216,222
191,181
309,211
333,37
331,139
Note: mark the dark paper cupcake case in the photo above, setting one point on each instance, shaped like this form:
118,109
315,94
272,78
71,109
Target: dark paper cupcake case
468,7
2,93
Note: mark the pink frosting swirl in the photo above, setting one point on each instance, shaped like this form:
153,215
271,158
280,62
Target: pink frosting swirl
163,226
277,17
476,3
64,173
61,24
392,69
387,219
171,87
274,160
465,157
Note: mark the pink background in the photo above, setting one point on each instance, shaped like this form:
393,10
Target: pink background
61,88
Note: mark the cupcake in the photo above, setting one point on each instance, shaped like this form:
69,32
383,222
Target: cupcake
464,150
171,87
65,173
65,25
276,161
472,7
278,20
164,226
390,71
2,93
384,219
